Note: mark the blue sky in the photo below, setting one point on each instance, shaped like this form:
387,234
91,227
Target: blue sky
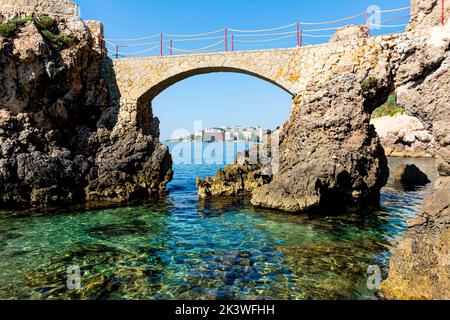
227,98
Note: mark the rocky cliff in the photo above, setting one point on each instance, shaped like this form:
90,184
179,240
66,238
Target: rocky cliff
57,145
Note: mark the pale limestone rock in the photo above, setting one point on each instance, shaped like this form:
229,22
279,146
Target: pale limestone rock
404,136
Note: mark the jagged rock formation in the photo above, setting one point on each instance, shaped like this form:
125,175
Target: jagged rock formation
404,136
233,180
57,144
419,267
251,171
426,13
325,159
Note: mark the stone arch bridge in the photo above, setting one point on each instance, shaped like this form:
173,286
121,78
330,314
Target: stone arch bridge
302,72
295,70
328,147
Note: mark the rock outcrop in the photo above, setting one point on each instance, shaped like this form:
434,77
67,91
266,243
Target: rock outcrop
57,143
423,77
420,265
404,136
329,152
325,158
426,13
252,170
233,180
410,176
425,95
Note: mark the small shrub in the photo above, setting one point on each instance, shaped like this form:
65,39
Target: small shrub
61,42
48,35
390,108
12,27
6,30
45,23
64,42
369,83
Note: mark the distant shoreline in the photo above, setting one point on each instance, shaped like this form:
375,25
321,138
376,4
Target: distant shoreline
236,142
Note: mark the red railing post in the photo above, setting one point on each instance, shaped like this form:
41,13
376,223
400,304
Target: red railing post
368,23
443,12
298,34
171,46
232,43
226,39
161,45
117,52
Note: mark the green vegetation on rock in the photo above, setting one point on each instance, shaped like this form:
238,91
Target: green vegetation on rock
62,42
390,108
12,27
47,27
369,83
45,23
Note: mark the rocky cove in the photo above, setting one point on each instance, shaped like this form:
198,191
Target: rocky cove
69,136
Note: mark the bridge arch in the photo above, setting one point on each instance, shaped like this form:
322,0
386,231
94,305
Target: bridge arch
159,87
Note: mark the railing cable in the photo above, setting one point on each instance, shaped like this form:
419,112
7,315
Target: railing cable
193,35
247,36
333,21
195,50
262,30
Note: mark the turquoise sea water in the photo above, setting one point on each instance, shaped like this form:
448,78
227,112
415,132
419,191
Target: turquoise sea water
178,247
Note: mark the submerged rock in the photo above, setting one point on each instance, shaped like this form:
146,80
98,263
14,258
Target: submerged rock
113,231
410,176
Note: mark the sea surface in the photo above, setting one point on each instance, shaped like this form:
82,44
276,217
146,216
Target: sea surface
178,247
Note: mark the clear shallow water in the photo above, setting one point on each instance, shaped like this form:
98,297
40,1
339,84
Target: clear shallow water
181,248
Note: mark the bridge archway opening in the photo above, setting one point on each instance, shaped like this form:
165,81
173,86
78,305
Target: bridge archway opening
167,83
231,99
